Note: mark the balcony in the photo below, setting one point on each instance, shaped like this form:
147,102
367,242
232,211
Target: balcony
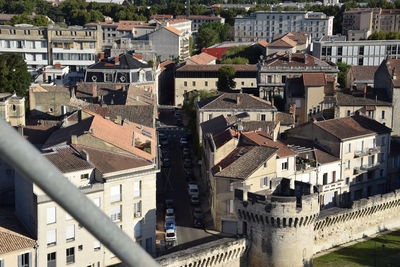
361,153
373,150
368,167
359,170
331,186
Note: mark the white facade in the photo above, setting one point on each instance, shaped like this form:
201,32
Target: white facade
264,25
362,53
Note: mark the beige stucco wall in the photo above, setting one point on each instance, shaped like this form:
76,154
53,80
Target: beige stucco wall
341,111
11,258
200,84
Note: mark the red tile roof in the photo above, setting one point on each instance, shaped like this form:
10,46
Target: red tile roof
173,30
13,236
67,160
283,42
263,43
263,139
201,59
314,79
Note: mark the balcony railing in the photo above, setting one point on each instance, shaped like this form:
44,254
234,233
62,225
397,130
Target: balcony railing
361,153
373,150
368,167
359,170
331,186
70,259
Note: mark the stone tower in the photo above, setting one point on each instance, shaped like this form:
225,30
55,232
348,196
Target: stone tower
279,226
12,109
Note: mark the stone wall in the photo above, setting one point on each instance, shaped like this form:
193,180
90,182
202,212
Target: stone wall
225,252
366,217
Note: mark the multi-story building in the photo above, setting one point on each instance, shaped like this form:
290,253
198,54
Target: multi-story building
361,22
264,25
75,46
387,80
362,145
360,77
362,52
232,104
123,186
170,43
204,77
198,20
309,95
273,71
288,43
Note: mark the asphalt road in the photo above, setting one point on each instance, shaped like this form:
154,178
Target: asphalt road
173,185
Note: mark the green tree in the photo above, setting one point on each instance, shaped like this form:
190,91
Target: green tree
343,68
235,60
226,77
14,75
206,37
40,21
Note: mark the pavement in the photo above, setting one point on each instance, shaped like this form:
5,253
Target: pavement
171,184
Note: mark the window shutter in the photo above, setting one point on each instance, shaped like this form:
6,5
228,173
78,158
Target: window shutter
51,215
96,244
51,236
231,206
70,232
1,263
137,188
30,260
19,260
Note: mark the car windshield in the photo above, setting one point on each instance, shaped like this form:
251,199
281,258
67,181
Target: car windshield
170,234
194,190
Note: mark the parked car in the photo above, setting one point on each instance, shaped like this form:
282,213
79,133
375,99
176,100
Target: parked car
194,200
169,204
164,141
170,235
189,176
169,224
166,163
187,154
179,122
184,141
197,212
198,217
193,189
169,214
198,222
178,113
187,163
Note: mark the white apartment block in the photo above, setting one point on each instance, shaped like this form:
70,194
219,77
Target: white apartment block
123,188
198,20
75,47
264,25
362,52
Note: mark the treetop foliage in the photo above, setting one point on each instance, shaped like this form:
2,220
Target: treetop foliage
14,76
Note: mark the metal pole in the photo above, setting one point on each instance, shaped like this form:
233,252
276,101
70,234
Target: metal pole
28,161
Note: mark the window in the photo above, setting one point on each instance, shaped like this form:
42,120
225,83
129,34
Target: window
381,158
206,83
96,245
51,259
85,176
361,52
333,176
137,229
51,215
348,148
137,209
231,206
210,116
381,173
70,233
361,61
242,83
137,188
263,182
285,165
383,115
116,193
269,79
348,164
348,113
70,255
263,117
325,178
51,237
347,180
116,214
340,51
185,84
283,79
383,141
25,260
193,83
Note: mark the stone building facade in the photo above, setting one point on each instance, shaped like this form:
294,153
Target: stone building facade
12,109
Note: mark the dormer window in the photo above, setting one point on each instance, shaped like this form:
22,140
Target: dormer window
85,176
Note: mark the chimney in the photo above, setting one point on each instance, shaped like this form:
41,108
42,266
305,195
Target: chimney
292,110
94,89
57,66
290,57
238,100
116,60
365,91
85,155
101,56
305,58
118,120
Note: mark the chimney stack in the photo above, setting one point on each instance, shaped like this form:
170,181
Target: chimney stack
57,66
237,100
292,110
305,58
290,57
101,56
85,155
94,89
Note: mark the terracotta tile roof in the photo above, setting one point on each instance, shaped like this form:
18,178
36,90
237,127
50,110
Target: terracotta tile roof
314,79
108,162
197,17
283,42
299,37
263,43
323,157
216,67
243,161
393,66
363,73
229,101
38,134
261,138
161,16
353,126
284,118
166,64
201,59
173,30
176,21
347,99
67,160
128,25
13,236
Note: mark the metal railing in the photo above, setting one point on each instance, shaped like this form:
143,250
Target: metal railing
28,161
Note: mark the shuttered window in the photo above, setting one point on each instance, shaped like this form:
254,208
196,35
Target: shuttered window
70,233
51,215
51,237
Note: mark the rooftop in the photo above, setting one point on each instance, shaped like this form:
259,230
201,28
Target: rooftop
393,66
216,67
125,61
262,138
295,60
67,160
243,161
173,30
348,99
284,41
201,59
235,101
314,79
363,73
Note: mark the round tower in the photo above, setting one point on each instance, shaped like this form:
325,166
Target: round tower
279,227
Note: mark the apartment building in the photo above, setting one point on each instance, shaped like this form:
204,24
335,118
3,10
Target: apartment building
264,25
291,42
123,186
246,107
360,77
362,145
205,77
367,104
198,20
182,25
170,42
75,46
362,52
309,95
275,69
12,109
361,22
17,247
